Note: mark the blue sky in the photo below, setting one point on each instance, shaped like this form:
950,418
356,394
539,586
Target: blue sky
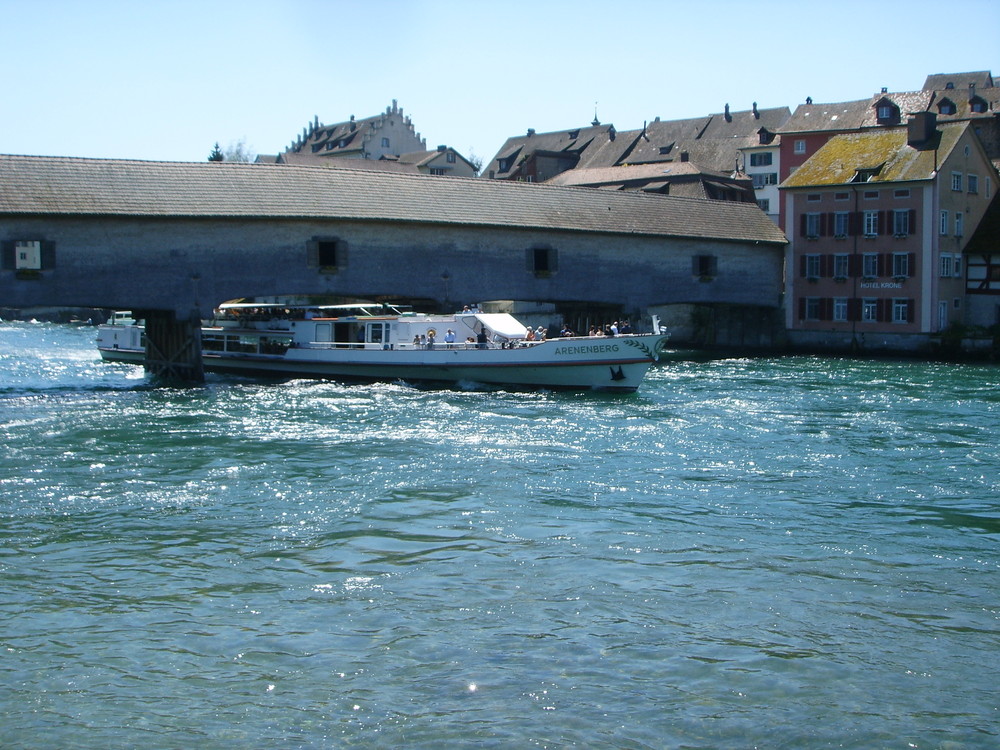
165,80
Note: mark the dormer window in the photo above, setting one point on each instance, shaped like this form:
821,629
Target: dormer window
867,174
977,104
947,107
887,113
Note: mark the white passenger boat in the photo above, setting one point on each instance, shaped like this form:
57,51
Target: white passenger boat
380,342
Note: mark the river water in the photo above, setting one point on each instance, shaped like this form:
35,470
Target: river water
777,553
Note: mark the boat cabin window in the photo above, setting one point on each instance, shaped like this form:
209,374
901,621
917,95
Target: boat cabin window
378,333
324,332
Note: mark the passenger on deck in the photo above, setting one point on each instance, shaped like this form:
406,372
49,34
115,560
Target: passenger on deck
430,338
566,330
449,338
481,338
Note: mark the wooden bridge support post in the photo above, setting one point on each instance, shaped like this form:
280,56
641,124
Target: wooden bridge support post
173,347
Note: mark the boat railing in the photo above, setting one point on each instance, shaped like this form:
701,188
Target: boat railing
409,346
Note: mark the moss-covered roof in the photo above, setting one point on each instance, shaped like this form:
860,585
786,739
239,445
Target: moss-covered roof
886,151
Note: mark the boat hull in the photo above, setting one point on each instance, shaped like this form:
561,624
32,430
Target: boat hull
612,365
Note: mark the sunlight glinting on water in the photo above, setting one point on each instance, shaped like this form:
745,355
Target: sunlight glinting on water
789,551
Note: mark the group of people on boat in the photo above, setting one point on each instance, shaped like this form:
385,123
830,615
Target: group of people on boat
609,329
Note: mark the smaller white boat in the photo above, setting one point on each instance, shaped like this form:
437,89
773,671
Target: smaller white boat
380,342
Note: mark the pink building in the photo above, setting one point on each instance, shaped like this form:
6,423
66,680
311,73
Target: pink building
877,222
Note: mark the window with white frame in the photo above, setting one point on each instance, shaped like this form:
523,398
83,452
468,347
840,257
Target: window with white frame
800,147
972,183
947,265
812,308
871,223
956,182
763,179
900,310
765,204
958,265
901,222
761,159
900,264
869,265
840,308
943,229
903,193
841,223
959,224
812,266
841,264
812,225
385,143
869,310
450,157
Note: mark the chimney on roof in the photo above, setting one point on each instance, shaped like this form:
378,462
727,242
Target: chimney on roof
756,114
972,91
442,148
809,100
531,132
729,117
885,89
685,156
920,128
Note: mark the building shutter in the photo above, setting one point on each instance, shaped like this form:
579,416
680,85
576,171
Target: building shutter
911,264
854,309
826,265
312,253
802,308
909,311
48,254
8,258
854,265
854,223
802,225
913,221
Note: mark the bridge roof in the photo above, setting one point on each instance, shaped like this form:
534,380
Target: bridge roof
111,187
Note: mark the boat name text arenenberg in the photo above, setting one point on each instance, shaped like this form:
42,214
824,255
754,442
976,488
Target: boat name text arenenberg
591,349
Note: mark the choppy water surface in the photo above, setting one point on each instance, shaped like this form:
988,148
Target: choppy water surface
788,552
